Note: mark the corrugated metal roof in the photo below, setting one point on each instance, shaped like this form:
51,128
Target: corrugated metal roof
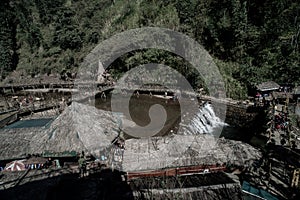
267,86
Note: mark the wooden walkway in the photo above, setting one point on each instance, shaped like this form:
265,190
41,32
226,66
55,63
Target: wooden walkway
69,85
86,90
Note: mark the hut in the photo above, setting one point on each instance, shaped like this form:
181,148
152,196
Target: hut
79,127
267,87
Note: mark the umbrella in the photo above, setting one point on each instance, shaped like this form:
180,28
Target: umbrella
16,165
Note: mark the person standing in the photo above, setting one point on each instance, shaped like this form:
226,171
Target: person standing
82,166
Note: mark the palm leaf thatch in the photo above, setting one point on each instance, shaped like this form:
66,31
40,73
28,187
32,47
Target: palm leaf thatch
78,128
185,150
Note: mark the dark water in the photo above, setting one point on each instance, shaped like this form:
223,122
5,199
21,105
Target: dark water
256,191
139,109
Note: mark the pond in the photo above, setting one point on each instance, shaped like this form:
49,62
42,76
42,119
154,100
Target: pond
139,108
30,123
204,120
256,192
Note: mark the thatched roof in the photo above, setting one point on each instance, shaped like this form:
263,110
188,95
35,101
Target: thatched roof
79,127
15,143
35,160
268,86
184,150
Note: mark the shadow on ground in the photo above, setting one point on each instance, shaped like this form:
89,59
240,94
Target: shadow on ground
104,185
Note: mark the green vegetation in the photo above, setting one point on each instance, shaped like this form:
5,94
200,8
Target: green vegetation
251,40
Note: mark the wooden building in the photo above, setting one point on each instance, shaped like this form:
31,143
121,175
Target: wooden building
267,87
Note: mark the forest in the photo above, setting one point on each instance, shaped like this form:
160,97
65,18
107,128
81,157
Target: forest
250,40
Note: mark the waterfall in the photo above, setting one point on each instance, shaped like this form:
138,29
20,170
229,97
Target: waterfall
204,121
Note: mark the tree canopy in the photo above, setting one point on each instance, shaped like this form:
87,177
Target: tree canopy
251,40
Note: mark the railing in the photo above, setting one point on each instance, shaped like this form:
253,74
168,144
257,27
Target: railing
176,171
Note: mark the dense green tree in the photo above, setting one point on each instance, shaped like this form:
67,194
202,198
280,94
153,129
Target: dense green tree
251,40
8,46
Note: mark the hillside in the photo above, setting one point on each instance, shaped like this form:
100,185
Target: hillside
251,40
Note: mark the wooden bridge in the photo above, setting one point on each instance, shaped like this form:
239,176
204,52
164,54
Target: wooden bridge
48,86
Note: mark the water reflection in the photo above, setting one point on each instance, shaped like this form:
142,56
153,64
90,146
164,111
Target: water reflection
139,110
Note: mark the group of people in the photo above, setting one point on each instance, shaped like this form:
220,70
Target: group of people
20,102
44,165
281,121
261,100
35,166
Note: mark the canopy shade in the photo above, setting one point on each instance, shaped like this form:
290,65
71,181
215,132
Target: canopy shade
16,165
